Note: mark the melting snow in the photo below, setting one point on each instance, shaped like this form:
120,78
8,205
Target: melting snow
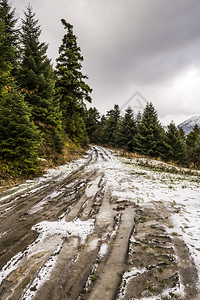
129,181
65,229
43,275
103,250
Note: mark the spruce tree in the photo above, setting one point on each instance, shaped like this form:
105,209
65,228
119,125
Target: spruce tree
37,80
193,136
193,146
126,131
175,145
109,134
149,138
19,137
71,86
138,117
93,125
8,42
102,124
182,133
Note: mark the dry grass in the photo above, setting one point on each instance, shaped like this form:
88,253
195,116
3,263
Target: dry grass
70,152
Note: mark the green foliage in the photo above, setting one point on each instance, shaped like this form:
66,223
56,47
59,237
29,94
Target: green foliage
77,129
36,115
127,129
175,145
110,129
182,133
193,146
8,42
71,86
192,137
19,137
37,81
149,138
93,125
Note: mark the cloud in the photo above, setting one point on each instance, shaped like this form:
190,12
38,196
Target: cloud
130,45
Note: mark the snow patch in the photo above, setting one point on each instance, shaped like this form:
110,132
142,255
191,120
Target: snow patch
103,250
65,229
127,277
43,275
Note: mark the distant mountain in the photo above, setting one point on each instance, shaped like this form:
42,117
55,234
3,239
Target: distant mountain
189,124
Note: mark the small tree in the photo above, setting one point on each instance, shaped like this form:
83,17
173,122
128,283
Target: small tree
149,138
71,87
126,131
109,133
175,145
193,146
182,133
93,125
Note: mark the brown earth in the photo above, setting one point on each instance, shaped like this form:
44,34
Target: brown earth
140,259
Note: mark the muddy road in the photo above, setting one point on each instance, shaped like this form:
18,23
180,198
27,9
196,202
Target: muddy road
69,236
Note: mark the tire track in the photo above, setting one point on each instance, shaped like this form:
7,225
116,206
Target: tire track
69,238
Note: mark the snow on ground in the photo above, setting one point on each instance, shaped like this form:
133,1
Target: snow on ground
49,241
48,229
65,229
180,193
127,181
43,275
53,174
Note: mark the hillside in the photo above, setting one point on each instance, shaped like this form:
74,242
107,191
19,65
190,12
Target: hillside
190,123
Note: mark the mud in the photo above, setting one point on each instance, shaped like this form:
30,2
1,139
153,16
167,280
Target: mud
122,250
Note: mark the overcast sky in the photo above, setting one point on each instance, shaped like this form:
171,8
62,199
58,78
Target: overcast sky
150,46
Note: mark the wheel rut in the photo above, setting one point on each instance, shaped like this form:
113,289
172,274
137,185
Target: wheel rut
69,238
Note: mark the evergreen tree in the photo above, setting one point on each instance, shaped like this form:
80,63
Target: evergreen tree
93,125
193,136
127,131
102,124
175,145
109,133
149,138
8,42
182,133
37,80
138,117
19,137
193,146
71,86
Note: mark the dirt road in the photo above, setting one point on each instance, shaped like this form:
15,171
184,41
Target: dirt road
75,234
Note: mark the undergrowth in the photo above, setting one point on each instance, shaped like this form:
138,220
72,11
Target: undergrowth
11,174
156,164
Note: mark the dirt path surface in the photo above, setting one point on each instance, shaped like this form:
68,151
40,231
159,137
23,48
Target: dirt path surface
83,232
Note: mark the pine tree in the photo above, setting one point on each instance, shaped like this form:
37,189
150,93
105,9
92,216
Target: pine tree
193,136
93,125
71,86
149,138
110,129
175,145
8,42
37,80
193,146
182,133
127,131
138,117
19,137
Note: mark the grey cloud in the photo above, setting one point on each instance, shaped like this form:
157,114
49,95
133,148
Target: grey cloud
129,43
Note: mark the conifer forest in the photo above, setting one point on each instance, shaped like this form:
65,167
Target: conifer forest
43,109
